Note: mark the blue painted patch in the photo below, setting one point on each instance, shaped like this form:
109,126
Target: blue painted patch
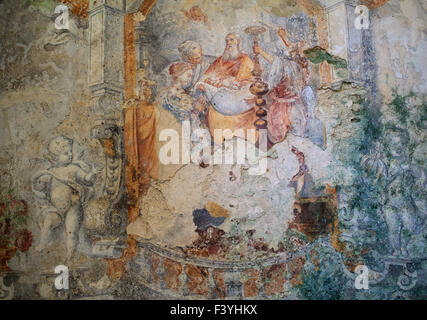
202,219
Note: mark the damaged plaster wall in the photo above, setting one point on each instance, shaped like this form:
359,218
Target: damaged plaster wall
297,231
44,95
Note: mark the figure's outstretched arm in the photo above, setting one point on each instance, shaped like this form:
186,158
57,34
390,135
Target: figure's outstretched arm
91,177
265,55
85,174
282,34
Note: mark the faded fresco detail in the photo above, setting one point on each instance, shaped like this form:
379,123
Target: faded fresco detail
194,149
64,188
213,89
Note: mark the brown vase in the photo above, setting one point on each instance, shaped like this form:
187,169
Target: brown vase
5,255
258,88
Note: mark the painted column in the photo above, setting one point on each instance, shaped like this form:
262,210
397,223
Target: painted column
133,111
345,40
105,215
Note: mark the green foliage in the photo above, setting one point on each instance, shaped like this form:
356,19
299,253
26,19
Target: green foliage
371,124
375,142
398,105
48,5
372,191
408,124
317,55
323,280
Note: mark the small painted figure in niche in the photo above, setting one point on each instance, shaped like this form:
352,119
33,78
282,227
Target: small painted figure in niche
303,181
64,187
